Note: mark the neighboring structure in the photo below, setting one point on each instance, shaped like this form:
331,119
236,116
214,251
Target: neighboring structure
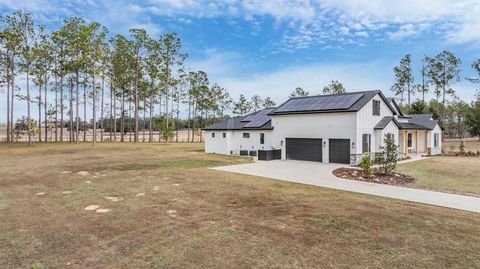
326,128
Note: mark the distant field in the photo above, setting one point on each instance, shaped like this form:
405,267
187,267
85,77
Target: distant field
159,206
471,144
182,135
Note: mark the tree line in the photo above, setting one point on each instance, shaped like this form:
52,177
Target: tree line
138,84
438,74
124,78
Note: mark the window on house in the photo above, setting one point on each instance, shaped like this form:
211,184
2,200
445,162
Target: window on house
224,135
213,135
246,135
376,107
409,140
436,138
262,138
366,139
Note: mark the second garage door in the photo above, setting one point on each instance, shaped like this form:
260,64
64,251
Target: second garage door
305,149
339,151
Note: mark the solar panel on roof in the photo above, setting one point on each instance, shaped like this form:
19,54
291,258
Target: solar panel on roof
259,119
319,103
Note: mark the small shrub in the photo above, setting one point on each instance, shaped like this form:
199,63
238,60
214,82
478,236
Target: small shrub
389,158
366,165
462,147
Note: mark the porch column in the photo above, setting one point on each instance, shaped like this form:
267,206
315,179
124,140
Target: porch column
427,141
417,142
405,142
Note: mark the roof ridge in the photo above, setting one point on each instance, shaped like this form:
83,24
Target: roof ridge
332,94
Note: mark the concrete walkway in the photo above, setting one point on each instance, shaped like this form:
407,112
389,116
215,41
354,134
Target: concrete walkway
318,174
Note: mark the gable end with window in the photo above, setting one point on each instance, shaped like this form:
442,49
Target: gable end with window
376,107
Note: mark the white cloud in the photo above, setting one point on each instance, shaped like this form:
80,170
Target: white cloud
403,31
308,22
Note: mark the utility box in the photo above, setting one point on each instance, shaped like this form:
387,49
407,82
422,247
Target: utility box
268,155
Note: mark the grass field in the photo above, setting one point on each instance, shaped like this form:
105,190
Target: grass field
453,174
167,210
470,144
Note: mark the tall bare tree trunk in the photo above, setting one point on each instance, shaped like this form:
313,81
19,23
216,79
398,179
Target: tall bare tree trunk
77,124
129,121
144,119
122,120
29,127
61,108
111,112
101,110
176,120
94,103
150,131
114,115
56,103
70,129
40,112
159,115
8,104
45,108
189,112
85,110
12,98
136,100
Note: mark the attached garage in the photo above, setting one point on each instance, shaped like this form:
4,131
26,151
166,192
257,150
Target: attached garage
304,149
339,151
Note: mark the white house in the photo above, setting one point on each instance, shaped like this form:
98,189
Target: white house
326,128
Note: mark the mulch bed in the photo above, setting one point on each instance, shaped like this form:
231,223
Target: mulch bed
458,154
396,179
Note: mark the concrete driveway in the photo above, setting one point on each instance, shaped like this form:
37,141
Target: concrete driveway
319,174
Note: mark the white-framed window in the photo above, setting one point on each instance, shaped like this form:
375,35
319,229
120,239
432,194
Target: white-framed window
224,135
213,135
262,138
366,143
246,135
436,139
376,107
409,142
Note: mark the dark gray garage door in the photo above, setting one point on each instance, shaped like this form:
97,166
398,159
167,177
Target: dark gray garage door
305,149
339,151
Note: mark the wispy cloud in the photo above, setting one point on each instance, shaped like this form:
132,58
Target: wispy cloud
305,23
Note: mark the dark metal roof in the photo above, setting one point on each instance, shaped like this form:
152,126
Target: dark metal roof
259,120
415,122
412,126
425,120
395,104
347,102
385,121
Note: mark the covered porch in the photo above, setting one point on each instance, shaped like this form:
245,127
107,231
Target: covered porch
414,142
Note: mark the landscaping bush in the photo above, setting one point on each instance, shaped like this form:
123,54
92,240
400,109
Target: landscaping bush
462,147
388,160
366,165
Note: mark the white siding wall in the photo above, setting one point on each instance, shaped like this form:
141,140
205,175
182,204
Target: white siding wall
366,121
217,144
253,143
235,141
321,125
380,136
437,150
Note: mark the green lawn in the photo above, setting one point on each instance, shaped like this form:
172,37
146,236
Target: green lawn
174,212
453,174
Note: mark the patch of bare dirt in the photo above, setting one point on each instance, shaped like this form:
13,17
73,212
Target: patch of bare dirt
92,207
396,179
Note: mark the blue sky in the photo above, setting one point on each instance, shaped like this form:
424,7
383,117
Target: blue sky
270,47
